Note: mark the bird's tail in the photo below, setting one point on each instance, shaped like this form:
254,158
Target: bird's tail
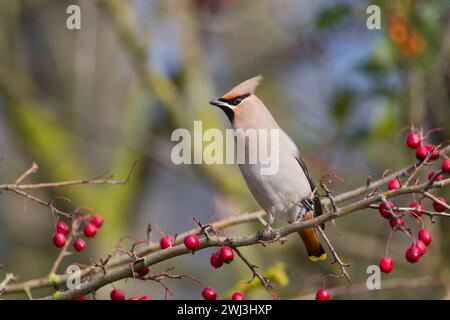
312,242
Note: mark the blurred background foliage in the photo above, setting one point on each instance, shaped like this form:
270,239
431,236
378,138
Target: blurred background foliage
79,102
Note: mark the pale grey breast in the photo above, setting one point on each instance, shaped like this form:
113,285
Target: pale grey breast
279,192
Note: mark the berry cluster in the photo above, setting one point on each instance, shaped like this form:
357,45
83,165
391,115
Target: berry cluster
415,210
90,230
414,140
224,254
395,215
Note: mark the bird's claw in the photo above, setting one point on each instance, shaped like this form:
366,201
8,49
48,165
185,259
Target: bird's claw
308,204
268,234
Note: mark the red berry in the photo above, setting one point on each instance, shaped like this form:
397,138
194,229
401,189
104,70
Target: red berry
166,241
79,244
78,298
394,184
432,174
322,294
430,147
413,139
421,153
383,209
97,220
446,165
63,228
191,241
59,240
143,271
396,222
216,260
146,298
117,294
226,254
418,208
386,264
238,296
134,298
209,294
420,245
412,254
90,230
439,207
425,236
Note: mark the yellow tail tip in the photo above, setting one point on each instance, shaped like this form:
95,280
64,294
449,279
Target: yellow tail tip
314,258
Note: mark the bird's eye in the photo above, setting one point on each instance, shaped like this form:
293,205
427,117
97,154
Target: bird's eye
237,101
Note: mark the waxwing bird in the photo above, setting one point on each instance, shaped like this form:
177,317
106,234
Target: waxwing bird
288,194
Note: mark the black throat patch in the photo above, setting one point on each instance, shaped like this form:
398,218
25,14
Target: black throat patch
234,102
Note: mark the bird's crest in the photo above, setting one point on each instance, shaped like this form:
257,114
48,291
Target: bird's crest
246,87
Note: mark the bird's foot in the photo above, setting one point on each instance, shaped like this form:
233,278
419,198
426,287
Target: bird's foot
308,204
268,234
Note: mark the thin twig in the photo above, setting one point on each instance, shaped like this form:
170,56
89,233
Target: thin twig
435,199
70,182
337,259
61,255
328,192
33,169
264,281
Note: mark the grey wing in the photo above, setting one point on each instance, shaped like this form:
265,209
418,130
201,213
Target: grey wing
317,205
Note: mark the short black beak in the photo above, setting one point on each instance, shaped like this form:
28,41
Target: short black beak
225,107
220,104
216,103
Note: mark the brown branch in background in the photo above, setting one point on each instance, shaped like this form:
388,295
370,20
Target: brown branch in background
18,188
47,204
70,182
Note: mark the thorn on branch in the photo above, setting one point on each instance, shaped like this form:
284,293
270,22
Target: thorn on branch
328,193
102,264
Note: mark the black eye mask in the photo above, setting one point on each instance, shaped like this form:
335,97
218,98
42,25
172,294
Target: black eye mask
235,101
